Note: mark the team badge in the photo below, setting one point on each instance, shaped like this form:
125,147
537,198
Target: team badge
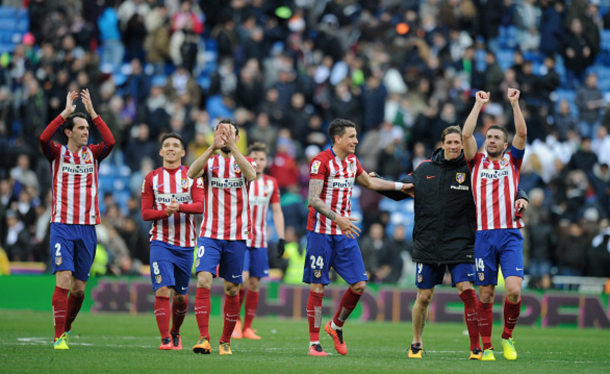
158,278
86,156
266,190
460,177
481,276
351,168
317,273
184,183
504,162
419,278
197,263
57,261
236,168
315,166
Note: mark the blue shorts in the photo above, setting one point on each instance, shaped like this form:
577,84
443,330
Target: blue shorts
502,247
256,262
229,254
336,251
428,276
73,248
170,266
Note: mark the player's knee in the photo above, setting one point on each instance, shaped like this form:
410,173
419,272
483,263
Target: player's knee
163,291
254,284
77,293
63,279
424,298
179,298
513,294
358,287
231,289
464,286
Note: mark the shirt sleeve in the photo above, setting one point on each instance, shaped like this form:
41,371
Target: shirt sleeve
149,213
475,160
251,161
102,150
275,196
196,207
48,147
359,169
317,169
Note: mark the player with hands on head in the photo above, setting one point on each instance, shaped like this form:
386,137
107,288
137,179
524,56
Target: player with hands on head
331,232
494,179
225,228
170,199
75,207
264,193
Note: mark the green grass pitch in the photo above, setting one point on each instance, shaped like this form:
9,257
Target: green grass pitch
122,343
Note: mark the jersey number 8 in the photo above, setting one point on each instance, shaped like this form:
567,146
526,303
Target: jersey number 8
155,268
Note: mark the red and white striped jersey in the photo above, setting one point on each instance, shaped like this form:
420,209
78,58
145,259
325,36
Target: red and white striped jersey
494,186
263,192
226,213
75,179
338,176
165,185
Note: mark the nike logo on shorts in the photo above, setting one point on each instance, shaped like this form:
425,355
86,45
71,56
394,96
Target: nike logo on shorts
235,276
470,275
184,288
518,269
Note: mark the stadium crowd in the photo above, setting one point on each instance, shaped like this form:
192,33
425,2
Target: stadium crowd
403,71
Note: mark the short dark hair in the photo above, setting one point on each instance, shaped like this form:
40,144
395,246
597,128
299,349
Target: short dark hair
174,135
337,127
229,121
69,124
257,147
501,128
451,130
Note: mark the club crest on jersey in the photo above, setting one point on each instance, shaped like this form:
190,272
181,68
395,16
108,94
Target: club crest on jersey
236,168
158,278
266,190
86,156
197,263
419,278
315,166
184,183
460,177
481,276
351,167
57,261
504,162
317,273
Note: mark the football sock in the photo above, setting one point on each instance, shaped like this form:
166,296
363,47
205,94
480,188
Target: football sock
60,306
242,297
311,344
486,323
178,313
251,305
511,315
162,314
231,311
348,304
314,315
74,304
202,311
469,297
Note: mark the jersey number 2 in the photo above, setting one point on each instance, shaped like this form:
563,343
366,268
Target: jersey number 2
57,250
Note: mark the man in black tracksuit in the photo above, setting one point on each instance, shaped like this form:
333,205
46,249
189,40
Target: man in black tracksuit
444,233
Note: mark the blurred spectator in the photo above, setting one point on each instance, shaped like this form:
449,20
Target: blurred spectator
141,147
156,44
284,167
371,245
584,158
18,242
110,37
527,20
571,249
564,122
540,235
551,26
589,101
577,53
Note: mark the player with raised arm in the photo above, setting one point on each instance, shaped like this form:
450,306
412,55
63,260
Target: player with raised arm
331,233
264,192
225,228
75,210
170,199
494,178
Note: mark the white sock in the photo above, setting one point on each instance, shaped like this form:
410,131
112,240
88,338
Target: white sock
311,344
335,327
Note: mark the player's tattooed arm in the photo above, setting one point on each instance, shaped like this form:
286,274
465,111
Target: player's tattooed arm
315,189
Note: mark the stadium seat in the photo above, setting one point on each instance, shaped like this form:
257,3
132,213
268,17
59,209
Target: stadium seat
8,24
7,12
505,58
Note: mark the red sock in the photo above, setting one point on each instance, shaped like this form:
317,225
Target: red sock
469,297
314,315
231,312
348,303
202,311
74,304
511,315
486,323
162,313
242,297
178,313
251,305
60,306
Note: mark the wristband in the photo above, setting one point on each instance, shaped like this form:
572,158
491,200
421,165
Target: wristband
398,186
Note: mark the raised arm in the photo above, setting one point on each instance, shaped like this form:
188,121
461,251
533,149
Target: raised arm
344,223
520,127
46,136
470,144
105,132
248,171
197,167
